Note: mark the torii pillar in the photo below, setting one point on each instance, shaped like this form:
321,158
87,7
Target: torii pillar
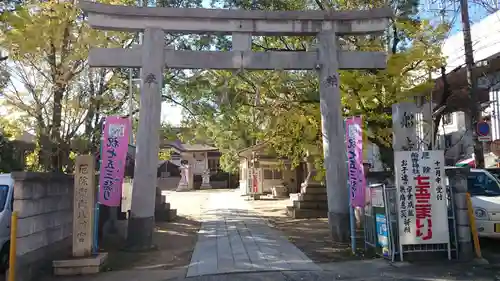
153,56
148,141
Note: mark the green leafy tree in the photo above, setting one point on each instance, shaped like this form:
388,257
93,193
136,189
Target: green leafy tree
282,108
59,93
9,159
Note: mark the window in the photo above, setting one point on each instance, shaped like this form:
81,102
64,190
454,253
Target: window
272,174
480,183
448,119
4,191
213,164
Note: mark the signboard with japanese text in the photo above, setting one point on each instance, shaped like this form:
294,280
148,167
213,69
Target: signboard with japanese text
404,126
355,171
113,160
83,205
421,197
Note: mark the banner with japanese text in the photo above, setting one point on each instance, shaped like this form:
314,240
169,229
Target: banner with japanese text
113,159
355,172
421,193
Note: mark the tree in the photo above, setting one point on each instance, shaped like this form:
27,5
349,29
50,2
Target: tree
59,93
282,108
9,160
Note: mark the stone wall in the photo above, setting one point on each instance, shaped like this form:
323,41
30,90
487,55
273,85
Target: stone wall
44,203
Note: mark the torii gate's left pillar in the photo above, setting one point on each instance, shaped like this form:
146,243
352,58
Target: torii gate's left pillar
148,141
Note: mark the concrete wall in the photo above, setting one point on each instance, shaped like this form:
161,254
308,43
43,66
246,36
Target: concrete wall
44,202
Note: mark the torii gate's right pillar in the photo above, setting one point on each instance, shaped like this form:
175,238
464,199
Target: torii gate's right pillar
333,136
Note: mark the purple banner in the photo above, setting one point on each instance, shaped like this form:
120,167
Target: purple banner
113,156
356,174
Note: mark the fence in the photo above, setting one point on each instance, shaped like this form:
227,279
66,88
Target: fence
383,200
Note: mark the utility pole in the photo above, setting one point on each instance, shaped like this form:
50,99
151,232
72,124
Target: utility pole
474,114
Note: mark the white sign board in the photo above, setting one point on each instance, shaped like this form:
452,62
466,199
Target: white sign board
377,197
421,197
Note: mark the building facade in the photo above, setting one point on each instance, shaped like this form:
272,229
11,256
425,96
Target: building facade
486,45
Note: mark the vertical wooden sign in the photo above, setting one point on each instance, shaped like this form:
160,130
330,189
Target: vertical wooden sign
83,205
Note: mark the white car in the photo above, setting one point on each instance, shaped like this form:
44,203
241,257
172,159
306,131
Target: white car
484,189
6,196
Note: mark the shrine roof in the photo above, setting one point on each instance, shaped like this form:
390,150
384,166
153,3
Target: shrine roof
184,147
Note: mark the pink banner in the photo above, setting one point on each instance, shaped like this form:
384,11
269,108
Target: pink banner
113,155
354,143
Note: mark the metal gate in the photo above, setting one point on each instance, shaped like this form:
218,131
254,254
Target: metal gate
384,197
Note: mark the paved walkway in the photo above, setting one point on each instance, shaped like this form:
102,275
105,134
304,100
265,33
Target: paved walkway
232,239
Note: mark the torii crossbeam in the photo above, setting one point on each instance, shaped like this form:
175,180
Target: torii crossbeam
153,56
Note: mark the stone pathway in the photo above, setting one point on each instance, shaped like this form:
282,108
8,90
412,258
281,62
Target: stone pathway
232,239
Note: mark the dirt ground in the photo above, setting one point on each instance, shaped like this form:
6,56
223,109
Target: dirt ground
175,240
311,236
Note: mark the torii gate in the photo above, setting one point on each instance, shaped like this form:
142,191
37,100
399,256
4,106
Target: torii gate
153,57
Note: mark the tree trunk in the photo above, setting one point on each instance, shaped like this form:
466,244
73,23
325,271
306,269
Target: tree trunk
55,132
474,114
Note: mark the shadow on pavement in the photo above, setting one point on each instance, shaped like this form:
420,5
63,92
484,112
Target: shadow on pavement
311,236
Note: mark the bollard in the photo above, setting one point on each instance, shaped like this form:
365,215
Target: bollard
12,250
475,236
458,183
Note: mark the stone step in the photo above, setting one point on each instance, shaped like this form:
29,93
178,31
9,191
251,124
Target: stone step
307,197
165,215
311,205
313,197
164,206
315,189
305,213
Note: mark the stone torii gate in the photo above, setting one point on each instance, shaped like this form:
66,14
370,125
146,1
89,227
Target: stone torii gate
153,56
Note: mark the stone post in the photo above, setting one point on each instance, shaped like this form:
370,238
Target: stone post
83,206
458,183
82,260
333,137
141,223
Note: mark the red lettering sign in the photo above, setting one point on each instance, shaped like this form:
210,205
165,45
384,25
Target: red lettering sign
423,208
